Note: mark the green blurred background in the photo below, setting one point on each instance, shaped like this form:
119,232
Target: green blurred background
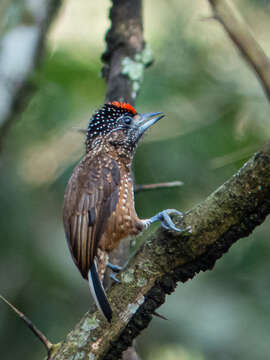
216,117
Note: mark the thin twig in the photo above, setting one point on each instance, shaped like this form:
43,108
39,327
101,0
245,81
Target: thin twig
159,316
239,32
163,185
48,345
79,130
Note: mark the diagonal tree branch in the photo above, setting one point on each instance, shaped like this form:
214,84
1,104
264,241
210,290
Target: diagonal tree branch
238,31
230,213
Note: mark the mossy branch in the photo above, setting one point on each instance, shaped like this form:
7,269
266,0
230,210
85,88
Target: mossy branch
232,212
125,56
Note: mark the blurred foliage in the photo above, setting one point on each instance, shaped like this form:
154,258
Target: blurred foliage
260,3
216,117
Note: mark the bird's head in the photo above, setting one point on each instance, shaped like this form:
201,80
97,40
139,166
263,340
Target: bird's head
119,126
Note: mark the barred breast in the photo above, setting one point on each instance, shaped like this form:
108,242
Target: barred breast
124,221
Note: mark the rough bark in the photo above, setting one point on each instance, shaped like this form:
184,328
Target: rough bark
126,54
230,213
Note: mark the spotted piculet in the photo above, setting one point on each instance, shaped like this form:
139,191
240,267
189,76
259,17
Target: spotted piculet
99,203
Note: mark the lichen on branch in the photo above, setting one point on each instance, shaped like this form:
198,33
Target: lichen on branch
230,213
126,54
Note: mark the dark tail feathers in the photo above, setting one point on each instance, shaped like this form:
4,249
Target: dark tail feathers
98,293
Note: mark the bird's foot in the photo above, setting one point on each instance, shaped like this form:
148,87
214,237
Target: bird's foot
165,220
116,269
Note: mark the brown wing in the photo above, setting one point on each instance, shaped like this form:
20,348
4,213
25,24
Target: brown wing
90,198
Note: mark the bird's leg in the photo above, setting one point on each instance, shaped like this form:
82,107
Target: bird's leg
165,219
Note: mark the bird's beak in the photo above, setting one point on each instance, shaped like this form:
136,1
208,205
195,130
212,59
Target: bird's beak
147,120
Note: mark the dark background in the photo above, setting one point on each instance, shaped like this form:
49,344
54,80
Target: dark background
216,117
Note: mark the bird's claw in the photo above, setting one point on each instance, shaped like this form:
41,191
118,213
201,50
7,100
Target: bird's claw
166,221
187,230
113,277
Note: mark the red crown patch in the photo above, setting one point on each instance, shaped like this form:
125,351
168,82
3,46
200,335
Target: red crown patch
125,106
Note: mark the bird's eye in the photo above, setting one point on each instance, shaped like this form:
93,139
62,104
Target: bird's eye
127,120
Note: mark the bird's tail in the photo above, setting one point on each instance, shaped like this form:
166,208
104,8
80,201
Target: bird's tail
98,292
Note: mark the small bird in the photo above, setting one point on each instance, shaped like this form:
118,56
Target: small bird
98,207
